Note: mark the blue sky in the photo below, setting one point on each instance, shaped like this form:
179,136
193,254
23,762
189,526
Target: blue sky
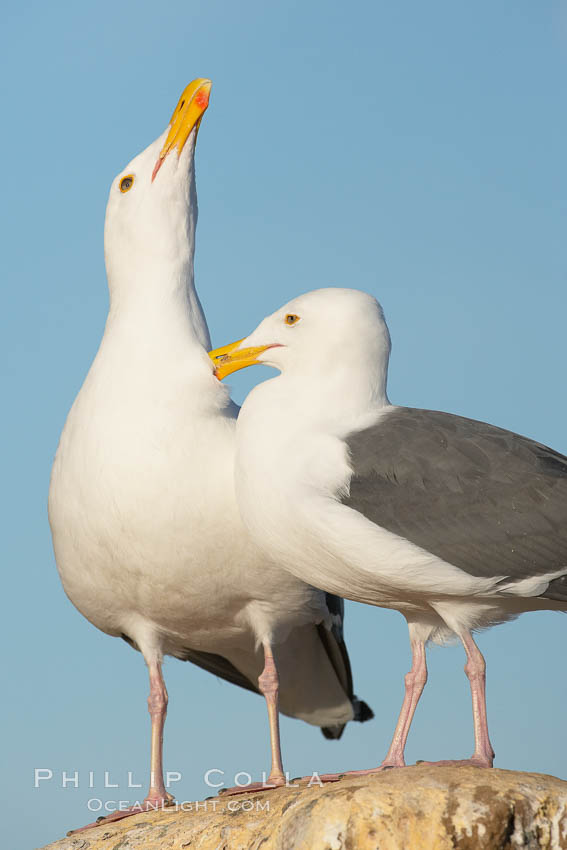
413,150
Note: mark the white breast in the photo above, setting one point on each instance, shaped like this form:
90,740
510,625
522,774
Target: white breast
143,513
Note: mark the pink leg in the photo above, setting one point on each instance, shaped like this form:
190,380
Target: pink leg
157,796
475,668
414,684
157,706
269,685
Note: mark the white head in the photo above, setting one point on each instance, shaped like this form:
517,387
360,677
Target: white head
149,234
338,337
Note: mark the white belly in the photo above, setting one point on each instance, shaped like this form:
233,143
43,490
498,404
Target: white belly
146,530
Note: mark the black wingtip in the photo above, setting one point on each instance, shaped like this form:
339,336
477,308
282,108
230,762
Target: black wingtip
362,711
333,733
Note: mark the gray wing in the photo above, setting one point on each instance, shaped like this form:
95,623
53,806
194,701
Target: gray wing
215,664
219,666
334,646
484,499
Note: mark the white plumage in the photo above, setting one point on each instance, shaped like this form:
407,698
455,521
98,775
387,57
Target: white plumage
147,536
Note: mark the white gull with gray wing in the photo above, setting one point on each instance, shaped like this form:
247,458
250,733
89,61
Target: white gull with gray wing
457,524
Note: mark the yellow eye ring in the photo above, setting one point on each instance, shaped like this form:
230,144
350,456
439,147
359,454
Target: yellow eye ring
291,319
126,183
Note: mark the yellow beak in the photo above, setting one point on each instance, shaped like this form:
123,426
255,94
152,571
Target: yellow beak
186,116
227,360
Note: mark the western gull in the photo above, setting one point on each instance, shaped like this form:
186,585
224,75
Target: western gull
457,524
144,470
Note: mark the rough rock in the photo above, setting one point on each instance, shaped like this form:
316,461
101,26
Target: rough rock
415,808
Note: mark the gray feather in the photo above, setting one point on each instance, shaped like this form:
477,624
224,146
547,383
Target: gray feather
219,666
484,499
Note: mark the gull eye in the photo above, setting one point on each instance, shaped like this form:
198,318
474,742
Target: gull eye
126,183
291,319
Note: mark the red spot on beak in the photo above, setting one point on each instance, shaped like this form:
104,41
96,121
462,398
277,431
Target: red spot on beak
201,99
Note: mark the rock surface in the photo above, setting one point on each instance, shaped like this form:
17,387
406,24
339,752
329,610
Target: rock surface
416,808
